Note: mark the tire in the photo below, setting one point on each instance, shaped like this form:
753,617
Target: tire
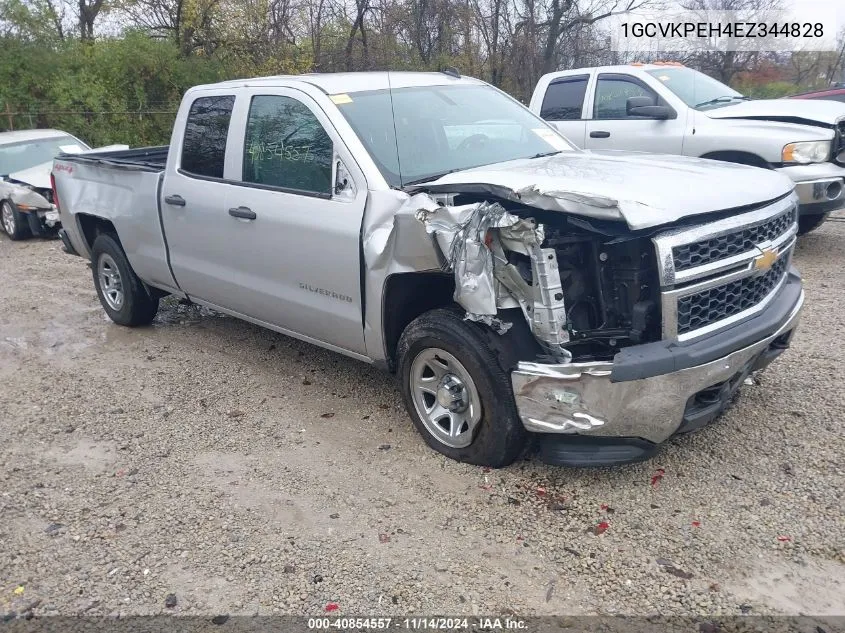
441,348
14,224
122,295
807,223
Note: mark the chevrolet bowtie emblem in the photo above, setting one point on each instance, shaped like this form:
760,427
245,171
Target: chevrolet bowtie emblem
766,260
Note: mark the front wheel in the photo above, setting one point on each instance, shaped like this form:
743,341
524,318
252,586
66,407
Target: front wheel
123,296
14,223
456,391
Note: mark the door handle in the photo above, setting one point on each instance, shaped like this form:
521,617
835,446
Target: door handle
176,200
599,134
242,212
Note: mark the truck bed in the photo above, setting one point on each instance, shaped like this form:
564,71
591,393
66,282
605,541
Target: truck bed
121,187
139,158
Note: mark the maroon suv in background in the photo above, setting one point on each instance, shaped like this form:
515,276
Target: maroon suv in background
835,93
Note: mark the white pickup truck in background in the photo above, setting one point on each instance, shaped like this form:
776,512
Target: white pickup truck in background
671,109
600,302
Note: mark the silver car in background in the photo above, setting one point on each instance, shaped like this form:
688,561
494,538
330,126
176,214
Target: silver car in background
26,196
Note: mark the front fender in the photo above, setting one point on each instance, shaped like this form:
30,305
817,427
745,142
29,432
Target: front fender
765,139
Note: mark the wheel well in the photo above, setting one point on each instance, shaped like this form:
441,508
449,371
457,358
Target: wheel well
92,226
406,296
742,158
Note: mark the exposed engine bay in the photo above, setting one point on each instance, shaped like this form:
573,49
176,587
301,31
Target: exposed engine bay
585,292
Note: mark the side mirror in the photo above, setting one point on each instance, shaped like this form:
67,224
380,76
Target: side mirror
344,186
644,107
341,181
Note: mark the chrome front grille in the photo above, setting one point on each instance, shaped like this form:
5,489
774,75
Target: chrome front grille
838,154
715,248
711,306
716,274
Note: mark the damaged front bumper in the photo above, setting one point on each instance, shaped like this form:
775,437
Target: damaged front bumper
601,413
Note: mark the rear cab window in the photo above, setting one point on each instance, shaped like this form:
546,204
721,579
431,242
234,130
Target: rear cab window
206,130
564,98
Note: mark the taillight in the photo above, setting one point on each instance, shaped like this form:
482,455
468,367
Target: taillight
55,193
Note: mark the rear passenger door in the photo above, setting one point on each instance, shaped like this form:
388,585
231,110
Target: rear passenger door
193,198
563,106
612,128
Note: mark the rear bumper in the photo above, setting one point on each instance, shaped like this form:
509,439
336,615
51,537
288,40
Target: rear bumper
596,408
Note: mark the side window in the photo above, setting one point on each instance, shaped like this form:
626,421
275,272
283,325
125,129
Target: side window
564,99
612,94
286,146
204,145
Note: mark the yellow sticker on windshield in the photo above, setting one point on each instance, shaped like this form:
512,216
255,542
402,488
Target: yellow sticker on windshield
340,99
553,139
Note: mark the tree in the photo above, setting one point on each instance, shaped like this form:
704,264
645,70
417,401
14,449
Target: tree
88,12
725,64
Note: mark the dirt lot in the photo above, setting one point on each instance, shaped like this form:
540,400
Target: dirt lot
246,472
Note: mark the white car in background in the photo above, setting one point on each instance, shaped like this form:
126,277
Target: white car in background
26,194
670,109
26,197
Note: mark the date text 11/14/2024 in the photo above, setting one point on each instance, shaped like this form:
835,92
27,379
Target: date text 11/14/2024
416,624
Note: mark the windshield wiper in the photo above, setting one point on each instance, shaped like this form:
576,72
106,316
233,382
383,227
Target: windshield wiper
420,181
725,99
544,154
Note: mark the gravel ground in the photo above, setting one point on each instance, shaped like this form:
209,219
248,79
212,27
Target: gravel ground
246,472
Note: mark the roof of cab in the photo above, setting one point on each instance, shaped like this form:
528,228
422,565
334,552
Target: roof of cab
28,135
339,83
619,68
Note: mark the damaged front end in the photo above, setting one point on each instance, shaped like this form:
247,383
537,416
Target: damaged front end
584,294
475,240
631,350
37,201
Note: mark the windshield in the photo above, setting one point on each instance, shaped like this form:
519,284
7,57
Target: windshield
19,156
696,89
434,130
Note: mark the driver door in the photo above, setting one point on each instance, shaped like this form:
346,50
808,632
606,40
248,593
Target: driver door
612,128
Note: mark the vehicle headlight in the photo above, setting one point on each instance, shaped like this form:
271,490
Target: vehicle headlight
807,152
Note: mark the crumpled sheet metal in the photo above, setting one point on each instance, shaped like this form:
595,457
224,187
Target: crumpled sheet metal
393,242
571,201
396,242
586,205
23,196
461,233
474,240
575,202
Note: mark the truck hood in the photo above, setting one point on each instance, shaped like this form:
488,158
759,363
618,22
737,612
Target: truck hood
808,112
39,176
644,190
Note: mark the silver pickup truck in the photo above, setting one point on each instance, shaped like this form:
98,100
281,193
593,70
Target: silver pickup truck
671,109
524,291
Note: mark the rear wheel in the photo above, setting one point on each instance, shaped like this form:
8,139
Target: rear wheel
807,223
123,296
456,391
13,221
